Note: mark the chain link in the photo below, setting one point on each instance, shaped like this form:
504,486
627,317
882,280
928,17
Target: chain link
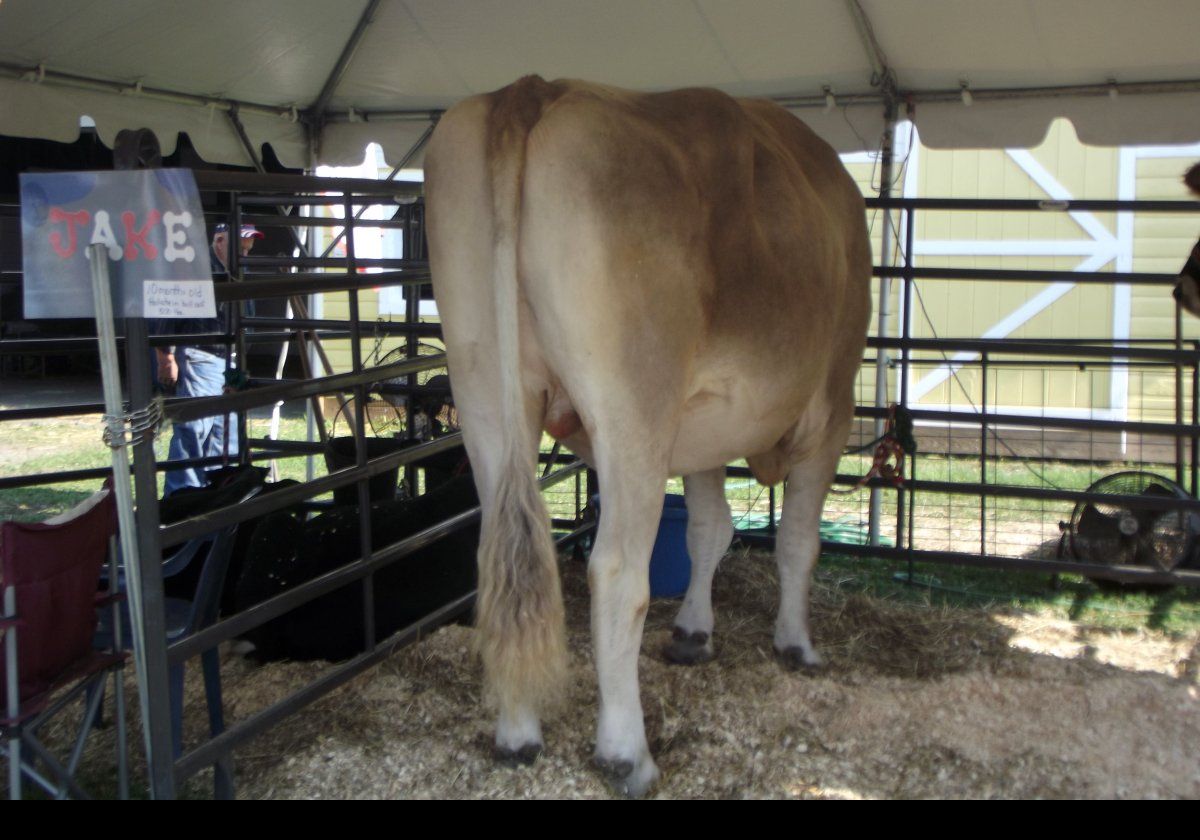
127,429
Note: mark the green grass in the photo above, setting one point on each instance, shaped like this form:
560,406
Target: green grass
1169,609
34,447
37,447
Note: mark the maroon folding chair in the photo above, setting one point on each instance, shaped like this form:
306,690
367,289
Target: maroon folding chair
50,572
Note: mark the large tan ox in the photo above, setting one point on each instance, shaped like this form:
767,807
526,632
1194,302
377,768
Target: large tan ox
665,282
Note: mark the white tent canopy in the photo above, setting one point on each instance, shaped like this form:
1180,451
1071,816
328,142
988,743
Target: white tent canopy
356,71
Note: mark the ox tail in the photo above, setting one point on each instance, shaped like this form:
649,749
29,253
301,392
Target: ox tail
1192,179
519,613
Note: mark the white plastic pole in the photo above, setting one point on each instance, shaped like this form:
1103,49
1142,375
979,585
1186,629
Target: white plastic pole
110,375
882,363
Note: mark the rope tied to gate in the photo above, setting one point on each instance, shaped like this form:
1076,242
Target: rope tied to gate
134,427
897,440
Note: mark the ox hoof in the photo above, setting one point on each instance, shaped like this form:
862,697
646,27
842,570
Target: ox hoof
689,648
796,658
522,756
628,778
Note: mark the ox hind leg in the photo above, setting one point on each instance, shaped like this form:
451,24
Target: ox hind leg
796,550
709,531
631,487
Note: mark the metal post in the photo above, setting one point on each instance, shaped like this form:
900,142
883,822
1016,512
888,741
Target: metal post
887,156
280,364
412,314
1179,477
912,514
139,533
905,324
360,434
983,451
153,607
235,355
906,314
905,370
305,247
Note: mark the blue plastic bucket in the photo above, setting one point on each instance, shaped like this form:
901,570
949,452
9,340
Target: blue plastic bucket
670,565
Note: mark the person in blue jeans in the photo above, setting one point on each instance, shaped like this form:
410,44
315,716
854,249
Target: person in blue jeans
199,371
199,374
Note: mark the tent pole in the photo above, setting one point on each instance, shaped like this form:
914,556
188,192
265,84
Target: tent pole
43,75
314,421
140,545
317,109
883,78
240,129
887,238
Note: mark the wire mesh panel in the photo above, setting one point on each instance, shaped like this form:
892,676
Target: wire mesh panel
1016,432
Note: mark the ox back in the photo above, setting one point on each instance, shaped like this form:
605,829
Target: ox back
665,282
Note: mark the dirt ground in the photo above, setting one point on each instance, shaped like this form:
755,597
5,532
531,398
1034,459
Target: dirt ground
915,701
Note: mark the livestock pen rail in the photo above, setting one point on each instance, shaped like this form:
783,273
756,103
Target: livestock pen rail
994,484
988,485
294,204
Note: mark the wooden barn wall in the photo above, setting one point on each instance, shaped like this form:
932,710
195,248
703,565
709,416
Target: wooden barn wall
1060,166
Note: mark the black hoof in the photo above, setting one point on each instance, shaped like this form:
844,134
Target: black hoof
627,778
793,659
614,771
688,648
521,757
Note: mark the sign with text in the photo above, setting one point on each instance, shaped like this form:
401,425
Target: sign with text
151,225
178,299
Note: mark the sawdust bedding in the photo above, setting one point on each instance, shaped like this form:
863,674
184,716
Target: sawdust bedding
914,701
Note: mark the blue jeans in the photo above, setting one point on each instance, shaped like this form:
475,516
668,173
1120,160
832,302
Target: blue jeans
200,375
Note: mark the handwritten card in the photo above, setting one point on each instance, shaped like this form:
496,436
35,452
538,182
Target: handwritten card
178,299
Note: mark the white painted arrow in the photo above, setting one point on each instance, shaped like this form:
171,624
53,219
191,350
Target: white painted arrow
1102,248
